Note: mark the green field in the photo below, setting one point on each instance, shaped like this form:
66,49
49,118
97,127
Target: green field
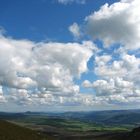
67,124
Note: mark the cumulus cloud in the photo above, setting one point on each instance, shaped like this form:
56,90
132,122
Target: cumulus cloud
31,69
127,67
45,73
119,79
75,30
117,71
24,97
116,23
87,84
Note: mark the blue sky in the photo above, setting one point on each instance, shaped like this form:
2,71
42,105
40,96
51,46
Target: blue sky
56,54
46,20
39,20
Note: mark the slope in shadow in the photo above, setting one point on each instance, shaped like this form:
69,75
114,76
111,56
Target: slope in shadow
10,131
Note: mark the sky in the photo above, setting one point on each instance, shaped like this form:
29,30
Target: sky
69,55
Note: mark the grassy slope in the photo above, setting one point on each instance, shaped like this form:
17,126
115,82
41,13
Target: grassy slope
9,131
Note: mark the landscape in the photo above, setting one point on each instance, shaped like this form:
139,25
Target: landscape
95,125
69,69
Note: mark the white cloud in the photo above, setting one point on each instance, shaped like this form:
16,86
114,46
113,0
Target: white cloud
119,80
118,73
47,68
112,87
75,30
103,59
127,67
2,98
87,84
44,73
116,23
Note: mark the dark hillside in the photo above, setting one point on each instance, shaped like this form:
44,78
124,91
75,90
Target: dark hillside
9,131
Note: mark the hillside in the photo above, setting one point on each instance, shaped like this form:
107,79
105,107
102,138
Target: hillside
98,125
9,131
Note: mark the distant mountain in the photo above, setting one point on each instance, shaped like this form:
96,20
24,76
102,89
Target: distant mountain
113,117
6,115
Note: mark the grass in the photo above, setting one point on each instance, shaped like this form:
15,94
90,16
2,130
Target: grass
9,131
